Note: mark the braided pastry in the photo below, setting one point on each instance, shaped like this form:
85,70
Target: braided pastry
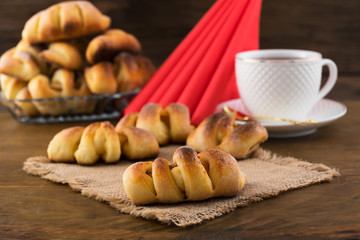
15,89
62,84
171,124
65,20
100,140
100,78
18,64
136,143
22,62
191,177
132,72
105,46
63,54
221,131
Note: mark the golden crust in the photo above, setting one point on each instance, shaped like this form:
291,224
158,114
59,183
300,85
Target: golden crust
138,143
149,118
105,46
244,139
191,177
62,84
100,78
65,20
64,55
19,64
220,131
99,140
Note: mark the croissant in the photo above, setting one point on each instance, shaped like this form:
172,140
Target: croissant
132,72
191,177
171,124
100,78
221,131
62,84
105,46
65,20
15,89
64,55
100,140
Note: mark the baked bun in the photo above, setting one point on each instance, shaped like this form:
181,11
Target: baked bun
100,140
137,143
64,55
65,20
19,64
132,71
15,89
63,84
171,124
100,78
191,177
221,131
86,145
105,46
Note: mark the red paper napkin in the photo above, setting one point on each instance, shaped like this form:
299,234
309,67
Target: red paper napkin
200,71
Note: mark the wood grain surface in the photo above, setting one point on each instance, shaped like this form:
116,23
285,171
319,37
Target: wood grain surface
33,208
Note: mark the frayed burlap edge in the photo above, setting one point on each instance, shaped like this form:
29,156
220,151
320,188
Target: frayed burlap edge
210,208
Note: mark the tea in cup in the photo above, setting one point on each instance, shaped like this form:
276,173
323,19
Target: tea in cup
282,83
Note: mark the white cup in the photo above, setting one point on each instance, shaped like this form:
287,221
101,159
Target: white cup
282,83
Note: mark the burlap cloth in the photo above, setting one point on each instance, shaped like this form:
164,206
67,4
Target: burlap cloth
267,176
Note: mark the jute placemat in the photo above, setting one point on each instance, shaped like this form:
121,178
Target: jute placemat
267,176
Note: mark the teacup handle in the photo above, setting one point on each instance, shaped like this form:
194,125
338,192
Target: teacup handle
333,72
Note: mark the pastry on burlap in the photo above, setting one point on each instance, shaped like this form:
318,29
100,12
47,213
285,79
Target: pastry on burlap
267,176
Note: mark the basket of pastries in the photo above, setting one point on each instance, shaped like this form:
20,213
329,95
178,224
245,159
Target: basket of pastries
71,65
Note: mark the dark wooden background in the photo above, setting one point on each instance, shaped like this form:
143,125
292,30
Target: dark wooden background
331,27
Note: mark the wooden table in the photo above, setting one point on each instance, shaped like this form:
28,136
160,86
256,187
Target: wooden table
33,208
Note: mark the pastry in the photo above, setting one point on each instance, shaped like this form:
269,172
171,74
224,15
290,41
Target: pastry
105,46
62,84
191,177
171,124
19,64
15,89
132,71
65,20
100,140
100,78
64,55
221,131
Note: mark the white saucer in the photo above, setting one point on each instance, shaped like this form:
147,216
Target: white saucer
324,112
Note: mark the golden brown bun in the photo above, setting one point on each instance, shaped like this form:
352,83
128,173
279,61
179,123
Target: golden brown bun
19,64
244,139
136,143
192,177
65,20
132,72
64,144
171,124
86,145
63,55
14,89
100,78
105,46
100,140
210,132
221,131
62,84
